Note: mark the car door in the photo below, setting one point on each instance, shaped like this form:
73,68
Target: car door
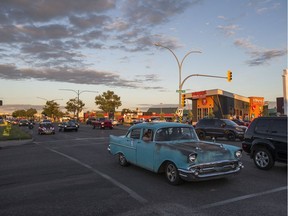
145,151
218,129
208,127
278,135
130,142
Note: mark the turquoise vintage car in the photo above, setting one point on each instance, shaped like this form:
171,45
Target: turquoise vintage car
174,148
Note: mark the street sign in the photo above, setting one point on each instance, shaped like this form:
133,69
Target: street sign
182,91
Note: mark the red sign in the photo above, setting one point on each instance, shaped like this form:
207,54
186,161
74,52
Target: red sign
204,101
200,94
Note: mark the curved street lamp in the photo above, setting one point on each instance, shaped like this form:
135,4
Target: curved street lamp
49,100
78,92
179,68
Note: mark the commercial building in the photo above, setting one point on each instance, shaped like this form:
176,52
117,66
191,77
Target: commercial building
222,104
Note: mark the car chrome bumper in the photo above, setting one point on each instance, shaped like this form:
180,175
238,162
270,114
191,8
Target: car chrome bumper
210,171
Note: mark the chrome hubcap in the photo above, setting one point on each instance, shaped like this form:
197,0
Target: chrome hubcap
171,172
262,159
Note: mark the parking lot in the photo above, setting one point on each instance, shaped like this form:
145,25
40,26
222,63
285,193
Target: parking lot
71,173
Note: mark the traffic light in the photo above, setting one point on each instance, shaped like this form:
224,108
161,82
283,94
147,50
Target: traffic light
183,100
229,76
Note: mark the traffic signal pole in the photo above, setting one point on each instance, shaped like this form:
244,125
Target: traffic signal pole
205,75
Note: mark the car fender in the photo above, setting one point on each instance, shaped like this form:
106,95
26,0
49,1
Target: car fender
165,153
262,143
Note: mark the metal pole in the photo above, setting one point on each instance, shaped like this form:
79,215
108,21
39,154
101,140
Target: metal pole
78,92
285,89
179,69
78,106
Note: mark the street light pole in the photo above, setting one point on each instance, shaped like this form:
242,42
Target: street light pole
179,68
49,100
78,92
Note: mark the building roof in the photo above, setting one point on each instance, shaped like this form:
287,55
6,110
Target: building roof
211,92
162,110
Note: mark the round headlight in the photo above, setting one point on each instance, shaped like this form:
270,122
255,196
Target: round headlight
238,154
192,157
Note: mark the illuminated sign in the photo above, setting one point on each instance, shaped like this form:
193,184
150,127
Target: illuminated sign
200,94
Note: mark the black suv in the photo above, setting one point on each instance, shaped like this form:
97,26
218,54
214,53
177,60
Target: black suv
266,141
214,127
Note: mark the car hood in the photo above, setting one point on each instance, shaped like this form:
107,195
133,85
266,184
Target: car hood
206,151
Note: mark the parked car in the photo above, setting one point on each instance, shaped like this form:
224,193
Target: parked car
68,126
46,128
102,123
76,122
174,148
266,141
241,122
89,121
214,127
23,122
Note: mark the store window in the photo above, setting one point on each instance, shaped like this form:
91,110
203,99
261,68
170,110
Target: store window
205,112
199,113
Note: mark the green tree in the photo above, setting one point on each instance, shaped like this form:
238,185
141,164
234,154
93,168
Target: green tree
19,113
74,106
108,101
52,110
31,112
125,111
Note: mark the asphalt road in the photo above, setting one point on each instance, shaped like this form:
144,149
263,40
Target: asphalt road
71,173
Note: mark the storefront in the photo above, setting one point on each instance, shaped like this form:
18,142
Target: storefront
218,103
256,107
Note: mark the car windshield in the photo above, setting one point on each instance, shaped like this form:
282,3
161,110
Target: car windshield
46,125
175,133
229,122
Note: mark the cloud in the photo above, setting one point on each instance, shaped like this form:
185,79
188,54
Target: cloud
228,30
49,10
151,12
259,56
263,57
49,36
74,75
262,7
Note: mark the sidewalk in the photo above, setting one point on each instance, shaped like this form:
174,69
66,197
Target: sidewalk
14,142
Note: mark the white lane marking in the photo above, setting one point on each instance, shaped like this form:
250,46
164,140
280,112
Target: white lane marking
243,198
75,139
113,181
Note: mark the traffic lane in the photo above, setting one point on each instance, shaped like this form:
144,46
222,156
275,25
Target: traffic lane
150,185
153,187
35,180
84,132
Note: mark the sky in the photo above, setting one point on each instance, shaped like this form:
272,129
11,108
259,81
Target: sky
92,46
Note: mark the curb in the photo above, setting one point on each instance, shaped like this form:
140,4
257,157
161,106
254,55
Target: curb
14,142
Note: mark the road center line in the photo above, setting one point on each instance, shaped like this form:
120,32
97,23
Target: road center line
113,181
236,199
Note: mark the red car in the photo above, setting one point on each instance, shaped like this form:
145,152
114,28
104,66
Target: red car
102,123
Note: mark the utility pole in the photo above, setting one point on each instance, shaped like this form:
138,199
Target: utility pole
285,90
